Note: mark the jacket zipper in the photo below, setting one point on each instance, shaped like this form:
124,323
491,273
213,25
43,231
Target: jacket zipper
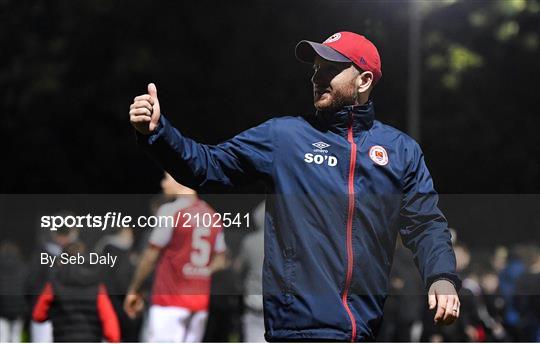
350,212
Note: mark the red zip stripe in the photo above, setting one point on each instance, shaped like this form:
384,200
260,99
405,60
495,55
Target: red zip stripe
350,213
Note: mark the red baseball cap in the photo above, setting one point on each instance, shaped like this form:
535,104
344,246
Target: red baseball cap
343,47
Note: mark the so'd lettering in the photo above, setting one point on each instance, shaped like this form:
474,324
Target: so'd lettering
320,159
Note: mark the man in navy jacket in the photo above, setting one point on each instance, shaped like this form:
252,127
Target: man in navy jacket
341,186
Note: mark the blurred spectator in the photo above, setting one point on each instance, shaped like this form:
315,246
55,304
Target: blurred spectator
77,303
52,243
527,297
508,277
224,319
406,302
250,260
491,309
468,327
13,305
499,259
117,279
463,258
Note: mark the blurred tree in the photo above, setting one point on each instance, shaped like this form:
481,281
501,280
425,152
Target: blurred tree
70,70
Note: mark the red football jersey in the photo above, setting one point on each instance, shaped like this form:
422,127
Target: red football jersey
182,276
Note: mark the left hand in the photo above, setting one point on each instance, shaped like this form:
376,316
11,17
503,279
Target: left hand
133,304
443,295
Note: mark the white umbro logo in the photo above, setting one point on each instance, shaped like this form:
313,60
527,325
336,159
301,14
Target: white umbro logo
320,159
321,145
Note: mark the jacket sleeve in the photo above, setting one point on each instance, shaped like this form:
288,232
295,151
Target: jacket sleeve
43,304
424,229
107,316
244,158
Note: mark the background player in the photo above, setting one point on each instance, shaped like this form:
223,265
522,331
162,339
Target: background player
185,257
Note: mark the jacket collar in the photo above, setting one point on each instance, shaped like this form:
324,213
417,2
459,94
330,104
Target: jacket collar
361,118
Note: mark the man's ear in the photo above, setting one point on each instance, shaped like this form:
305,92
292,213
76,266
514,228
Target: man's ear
363,82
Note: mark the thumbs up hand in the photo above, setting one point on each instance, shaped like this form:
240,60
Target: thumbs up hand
144,112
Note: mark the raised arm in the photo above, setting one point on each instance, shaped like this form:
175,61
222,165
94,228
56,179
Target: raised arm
244,158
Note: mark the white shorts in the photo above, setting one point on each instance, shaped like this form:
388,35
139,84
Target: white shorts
175,324
41,332
253,324
11,330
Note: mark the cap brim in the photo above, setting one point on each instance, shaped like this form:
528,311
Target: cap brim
306,51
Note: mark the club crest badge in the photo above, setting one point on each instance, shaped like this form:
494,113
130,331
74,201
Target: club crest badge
378,155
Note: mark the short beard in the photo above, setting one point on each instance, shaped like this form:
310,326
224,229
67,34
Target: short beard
339,101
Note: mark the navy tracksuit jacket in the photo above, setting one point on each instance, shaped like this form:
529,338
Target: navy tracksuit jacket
340,189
